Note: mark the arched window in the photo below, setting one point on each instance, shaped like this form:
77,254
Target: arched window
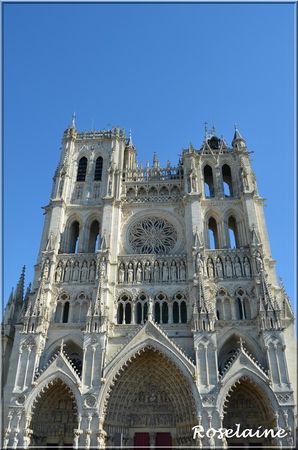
175,312
124,310
213,233
142,309
161,312
183,312
165,313
58,312
65,312
98,169
208,182
120,313
93,237
227,181
82,169
74,237
233,232
157,312
179,309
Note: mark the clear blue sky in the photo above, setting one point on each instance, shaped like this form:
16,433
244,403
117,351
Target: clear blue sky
161,70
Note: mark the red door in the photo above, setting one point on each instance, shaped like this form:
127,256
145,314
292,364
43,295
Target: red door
163,440
141,440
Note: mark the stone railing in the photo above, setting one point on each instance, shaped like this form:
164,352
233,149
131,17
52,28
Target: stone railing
74,268
152,173
137,193
228,263
135,269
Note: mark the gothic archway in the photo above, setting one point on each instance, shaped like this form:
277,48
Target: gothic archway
247,405
54,416
150,404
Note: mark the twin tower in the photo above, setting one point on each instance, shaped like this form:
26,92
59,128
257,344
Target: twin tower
154,308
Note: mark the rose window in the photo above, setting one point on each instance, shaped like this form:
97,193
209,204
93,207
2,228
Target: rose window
153,235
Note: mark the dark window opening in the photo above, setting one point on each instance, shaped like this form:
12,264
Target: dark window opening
227,181
82,169
65,312
208,182
213,234
98,169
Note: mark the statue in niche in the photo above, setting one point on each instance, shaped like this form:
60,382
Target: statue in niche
92,271
246,266
219,269
84,272
121,273
76,270
130,273
244,178
210,268
237,267
165,272
182,271
58,274
173,271
156,272
139,273
259,263
46,270
199,263
229,268
147,272
103,267
67,272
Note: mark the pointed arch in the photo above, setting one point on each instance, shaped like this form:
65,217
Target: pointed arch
208,181
98,168
248,398
82,169
231,338
145,373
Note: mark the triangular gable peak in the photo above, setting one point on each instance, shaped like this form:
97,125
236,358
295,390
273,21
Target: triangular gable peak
58,363
243,359
150,334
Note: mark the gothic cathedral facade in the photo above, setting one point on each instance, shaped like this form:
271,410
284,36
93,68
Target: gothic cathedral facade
154,307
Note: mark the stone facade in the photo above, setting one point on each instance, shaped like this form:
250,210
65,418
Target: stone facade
154,308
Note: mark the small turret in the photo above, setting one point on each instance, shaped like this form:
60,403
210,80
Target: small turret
238,141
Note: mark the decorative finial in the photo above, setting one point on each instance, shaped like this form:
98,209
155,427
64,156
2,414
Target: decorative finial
73,121
213,130
241,342
206,129
62,345
130,143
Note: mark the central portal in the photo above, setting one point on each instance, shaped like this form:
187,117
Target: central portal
150,440
150,405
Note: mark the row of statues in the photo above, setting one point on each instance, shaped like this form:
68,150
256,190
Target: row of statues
84,272
152,272
228,267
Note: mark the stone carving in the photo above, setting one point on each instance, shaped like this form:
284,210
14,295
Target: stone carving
153,235
70,270
230,268
46,270
145,271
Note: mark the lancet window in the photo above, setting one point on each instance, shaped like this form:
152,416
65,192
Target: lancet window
82,169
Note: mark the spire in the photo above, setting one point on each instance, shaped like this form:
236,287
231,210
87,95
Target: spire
73,120
238,138
130,143
19,291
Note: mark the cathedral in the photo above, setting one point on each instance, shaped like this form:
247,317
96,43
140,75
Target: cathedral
155,309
